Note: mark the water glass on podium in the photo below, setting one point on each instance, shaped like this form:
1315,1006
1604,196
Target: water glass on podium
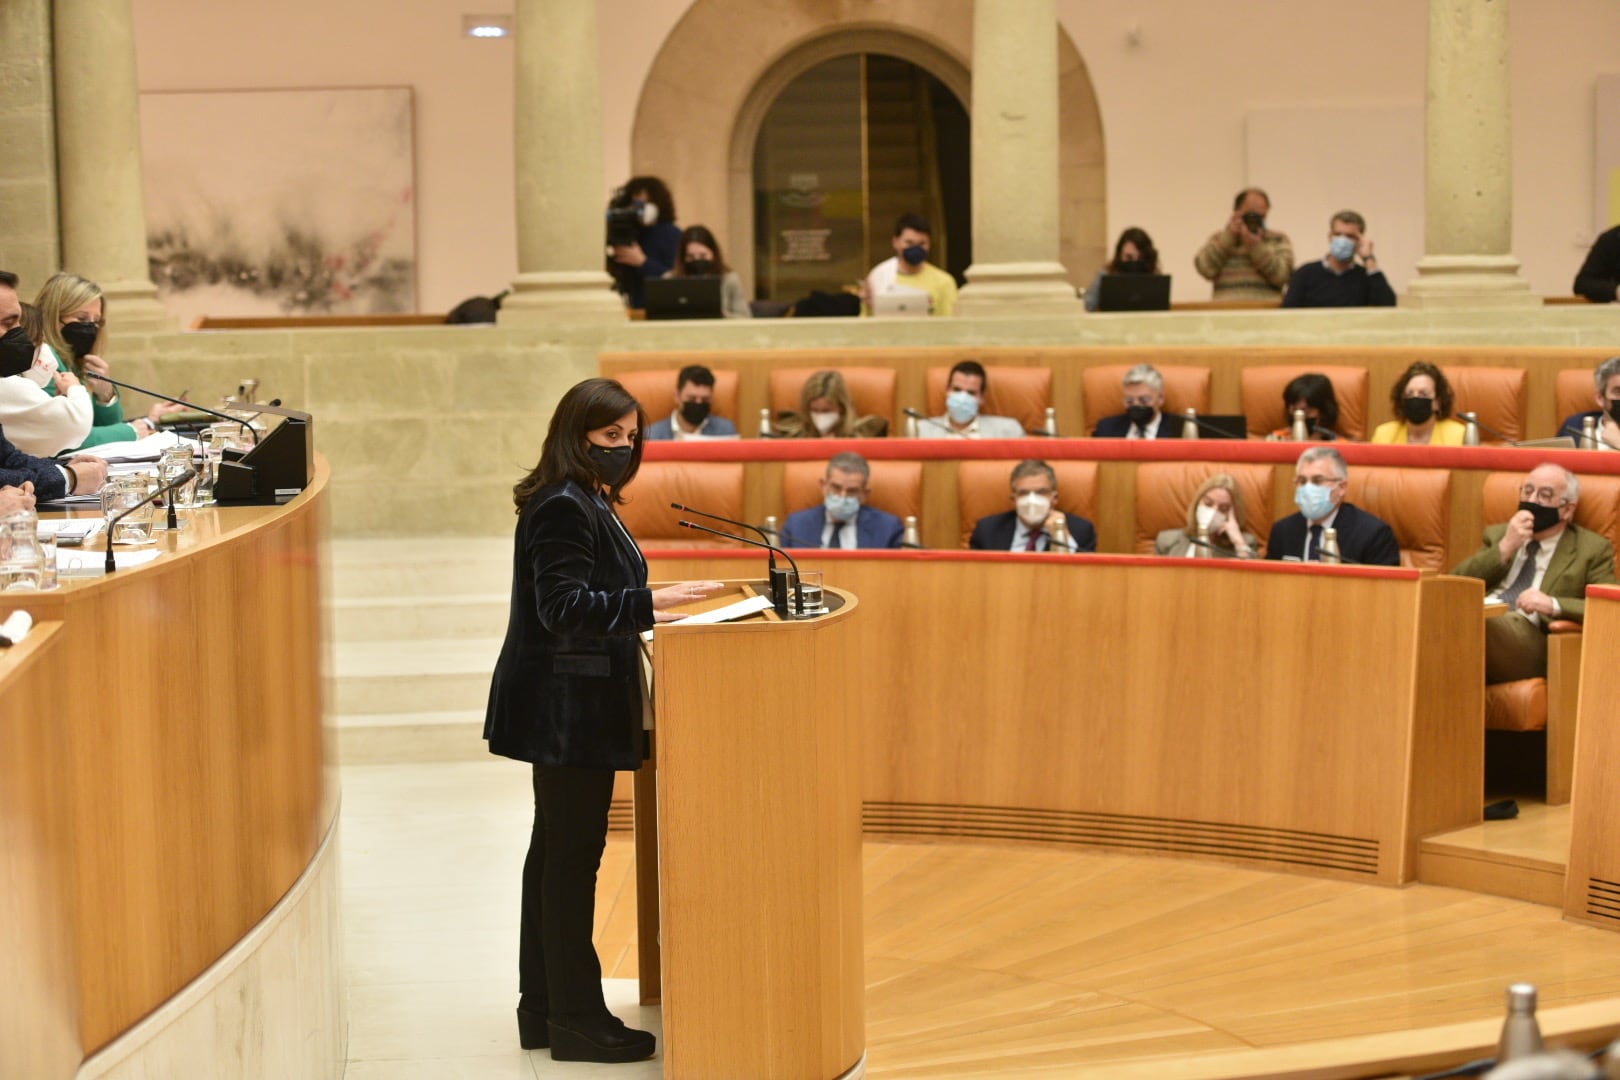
806,585
120,493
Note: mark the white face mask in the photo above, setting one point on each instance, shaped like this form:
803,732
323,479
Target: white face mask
1207,516
1033,509
825,421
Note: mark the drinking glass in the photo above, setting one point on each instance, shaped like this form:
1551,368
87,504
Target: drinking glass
806,584
174,462
118,494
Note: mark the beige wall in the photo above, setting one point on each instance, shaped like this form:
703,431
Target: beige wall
1177,82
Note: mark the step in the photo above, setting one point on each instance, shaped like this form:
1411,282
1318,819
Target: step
425,675
399,568
453,615
1522,858
411,738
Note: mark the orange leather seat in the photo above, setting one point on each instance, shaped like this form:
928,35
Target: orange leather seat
1415,502
1498,395
871,388
715,486
1101,393
896,486
983,488
1598,510
1263,402
655,389
1023,393
1164,490
1572,394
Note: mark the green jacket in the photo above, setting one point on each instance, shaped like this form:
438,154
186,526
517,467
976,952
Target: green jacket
107,421
1581,558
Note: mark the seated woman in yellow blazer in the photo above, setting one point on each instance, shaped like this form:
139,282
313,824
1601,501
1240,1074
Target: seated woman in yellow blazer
1422,400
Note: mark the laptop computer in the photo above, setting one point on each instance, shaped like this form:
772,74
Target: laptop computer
1221,427
683,297
900,304
1134,292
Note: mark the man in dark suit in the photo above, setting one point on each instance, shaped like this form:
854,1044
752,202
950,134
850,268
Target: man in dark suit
843,520
1539,564
1144,416
692,418
1320,480
1606,417
1031,523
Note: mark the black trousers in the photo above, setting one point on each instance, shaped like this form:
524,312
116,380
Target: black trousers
558,971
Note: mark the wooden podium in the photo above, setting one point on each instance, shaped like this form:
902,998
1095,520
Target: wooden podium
748,847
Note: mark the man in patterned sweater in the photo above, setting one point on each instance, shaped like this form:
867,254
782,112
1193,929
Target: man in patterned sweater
1246,260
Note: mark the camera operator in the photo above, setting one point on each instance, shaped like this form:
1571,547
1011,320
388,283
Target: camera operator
642,237
1247,261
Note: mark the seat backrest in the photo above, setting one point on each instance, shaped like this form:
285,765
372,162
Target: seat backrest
1573,394
1165,489
1263,404
655,389
982,489
1415,502
896,486
715,486
1022,393
871,388
1185,387
1497,394
1598,510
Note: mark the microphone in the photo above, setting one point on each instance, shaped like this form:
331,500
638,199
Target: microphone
1473,418
763,535
177,401
799,592
915,415
1330,433
1210,428
1228,552
1581,442
112,526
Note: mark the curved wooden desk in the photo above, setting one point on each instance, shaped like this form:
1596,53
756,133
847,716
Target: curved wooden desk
1304,718
1592,879
164,734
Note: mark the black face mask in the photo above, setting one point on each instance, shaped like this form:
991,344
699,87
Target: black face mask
1545,516
1614,410
16,352
1139,415
1135,266
610,462
1417,410
699,267
694,412
81,337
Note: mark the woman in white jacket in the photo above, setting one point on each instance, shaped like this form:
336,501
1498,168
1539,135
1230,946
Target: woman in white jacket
36,422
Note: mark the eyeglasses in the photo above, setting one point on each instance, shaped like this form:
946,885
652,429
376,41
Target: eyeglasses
1139,399
1019,493
1319,481
1544,496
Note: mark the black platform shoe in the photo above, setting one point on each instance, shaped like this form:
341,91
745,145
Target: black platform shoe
532,1032
598,1038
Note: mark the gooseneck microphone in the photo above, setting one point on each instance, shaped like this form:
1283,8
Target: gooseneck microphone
798,593
1473,418
763,535
1230,553
178,401
112,526
921,419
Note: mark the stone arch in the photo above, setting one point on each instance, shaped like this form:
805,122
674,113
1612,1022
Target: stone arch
698,131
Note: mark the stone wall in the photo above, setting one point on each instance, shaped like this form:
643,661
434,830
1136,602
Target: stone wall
28,207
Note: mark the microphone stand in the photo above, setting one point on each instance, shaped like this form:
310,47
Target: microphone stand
798,593
920,418
763,535
112,526
1330,433
1473,418
176,401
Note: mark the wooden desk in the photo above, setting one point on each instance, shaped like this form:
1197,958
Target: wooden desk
174,713
1270,714
1592,880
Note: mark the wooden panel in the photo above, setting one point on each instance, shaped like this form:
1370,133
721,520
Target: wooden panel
194,771
1592,882
1235,720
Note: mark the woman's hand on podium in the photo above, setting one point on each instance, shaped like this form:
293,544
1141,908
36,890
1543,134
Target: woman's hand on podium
683,593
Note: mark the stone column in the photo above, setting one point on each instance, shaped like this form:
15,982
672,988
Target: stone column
1468,168
98,155
29,238
560,192
1015,162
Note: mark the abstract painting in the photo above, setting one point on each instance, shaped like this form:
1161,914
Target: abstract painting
281,202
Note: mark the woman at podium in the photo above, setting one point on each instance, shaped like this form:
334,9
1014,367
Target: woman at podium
567,697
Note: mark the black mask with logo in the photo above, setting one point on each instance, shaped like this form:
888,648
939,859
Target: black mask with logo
81,337
611,463
694,412
1544,517
16,352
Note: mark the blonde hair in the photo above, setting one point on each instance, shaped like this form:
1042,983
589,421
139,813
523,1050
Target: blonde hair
830,385
1225,482
60,297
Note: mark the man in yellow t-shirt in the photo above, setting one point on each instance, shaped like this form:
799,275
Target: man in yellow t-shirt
909,270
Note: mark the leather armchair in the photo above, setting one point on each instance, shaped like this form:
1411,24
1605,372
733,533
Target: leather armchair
896,486
982,489
1164,490
872,389
1262,395
715,486
1497,394
1415,502
1185,387
1023,393
1572,394
655,389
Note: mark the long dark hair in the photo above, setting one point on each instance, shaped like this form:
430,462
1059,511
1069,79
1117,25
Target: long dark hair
657,194
1316,391
699,234
1144,248
592,404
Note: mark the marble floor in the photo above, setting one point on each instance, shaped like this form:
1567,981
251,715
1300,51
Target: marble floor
431,856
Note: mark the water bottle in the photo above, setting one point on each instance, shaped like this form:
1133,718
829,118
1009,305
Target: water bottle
1202,546
1051,421
1330,546
1057,537
1302,430
1589,437
1189,430
912,538
765,423
1471,432
772,532
1521,1035
911,427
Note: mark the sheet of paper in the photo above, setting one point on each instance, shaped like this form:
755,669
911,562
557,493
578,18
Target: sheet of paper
82,527
76,562
737,610
147,449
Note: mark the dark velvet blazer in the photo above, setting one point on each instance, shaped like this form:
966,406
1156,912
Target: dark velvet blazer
567,687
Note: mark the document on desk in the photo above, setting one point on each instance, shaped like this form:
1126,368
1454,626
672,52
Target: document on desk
738,610
145,450
74,562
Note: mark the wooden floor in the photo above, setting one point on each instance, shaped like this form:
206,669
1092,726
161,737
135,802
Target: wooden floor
990,960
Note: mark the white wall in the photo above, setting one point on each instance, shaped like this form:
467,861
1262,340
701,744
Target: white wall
1176,103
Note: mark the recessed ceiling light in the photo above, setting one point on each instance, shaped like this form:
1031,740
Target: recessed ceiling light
486,26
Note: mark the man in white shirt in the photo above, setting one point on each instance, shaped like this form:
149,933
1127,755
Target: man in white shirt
1539,563
965,389
909,269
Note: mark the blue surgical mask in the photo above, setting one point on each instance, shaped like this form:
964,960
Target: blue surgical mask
961,406
841,507
1342,248
915,255
1314,502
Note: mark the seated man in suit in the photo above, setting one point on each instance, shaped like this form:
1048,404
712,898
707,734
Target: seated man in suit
965,388
1320,480
1606,417
44,478
1539,564
694,396
843,520
1028,525
1143,417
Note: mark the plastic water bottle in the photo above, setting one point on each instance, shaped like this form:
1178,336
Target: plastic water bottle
765,423
1189,430
912,538
1051,421
1330,546
1471,432
1521,1035
1302,430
